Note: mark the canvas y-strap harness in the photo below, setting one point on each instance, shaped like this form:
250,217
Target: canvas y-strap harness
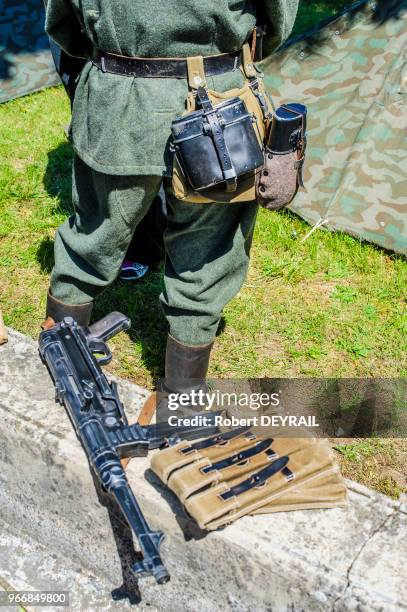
226,145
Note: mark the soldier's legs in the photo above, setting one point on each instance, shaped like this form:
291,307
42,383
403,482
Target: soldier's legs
91,244
207,256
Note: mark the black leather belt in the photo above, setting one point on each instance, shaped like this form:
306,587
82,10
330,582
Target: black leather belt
164,67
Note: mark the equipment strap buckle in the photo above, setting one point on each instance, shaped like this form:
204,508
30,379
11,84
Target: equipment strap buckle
216,129
258,448
260,478
219,440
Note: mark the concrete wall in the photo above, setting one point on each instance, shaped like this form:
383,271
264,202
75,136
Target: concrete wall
51,517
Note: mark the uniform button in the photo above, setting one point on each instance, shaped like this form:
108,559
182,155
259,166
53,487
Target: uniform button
270,156
265,172
262,188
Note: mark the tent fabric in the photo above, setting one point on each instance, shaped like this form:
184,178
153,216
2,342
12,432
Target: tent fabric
25,58
352,75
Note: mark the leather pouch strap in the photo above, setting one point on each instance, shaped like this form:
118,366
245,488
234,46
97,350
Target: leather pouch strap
225,502
222,439
196,475
241,456
187,468
261,98
235,465
258,479
217,132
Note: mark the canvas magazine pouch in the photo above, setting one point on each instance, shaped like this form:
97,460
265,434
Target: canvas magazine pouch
227,476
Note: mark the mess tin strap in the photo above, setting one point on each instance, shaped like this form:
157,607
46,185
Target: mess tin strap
216,130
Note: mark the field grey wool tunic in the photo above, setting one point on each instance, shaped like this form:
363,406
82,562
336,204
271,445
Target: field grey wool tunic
121,124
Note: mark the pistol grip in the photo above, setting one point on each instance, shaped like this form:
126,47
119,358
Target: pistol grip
109,326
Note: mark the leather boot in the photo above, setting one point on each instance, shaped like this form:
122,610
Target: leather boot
186,368
57,310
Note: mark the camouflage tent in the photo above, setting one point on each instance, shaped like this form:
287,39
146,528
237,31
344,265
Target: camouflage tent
25,59
352,75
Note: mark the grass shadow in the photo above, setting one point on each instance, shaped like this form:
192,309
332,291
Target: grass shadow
58,177
45,255
57,181
139,301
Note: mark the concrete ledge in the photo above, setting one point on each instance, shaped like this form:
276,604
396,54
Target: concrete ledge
56,535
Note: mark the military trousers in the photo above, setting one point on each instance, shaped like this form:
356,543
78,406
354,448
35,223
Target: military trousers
207,248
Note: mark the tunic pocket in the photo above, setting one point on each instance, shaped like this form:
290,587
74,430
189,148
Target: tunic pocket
160,151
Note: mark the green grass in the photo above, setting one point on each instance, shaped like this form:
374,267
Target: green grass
331,306
381,464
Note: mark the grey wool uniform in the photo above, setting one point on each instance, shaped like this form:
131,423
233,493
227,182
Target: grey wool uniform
120,134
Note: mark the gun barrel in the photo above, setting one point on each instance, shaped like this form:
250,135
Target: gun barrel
149,541
107,466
